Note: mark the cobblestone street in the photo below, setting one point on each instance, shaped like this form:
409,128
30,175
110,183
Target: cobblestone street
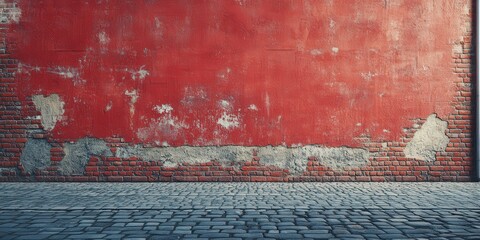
239,210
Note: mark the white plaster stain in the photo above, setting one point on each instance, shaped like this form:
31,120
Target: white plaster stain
133,94
164,108
252,107
158,23
109,106
267,103
25,68
335,50
332,24
457,48
77,100
9,14
228,121
224,74
194,95
316,52
224,104
393,31
68,72
103,38
428,140
159,29
138,74
368,76
240,2
51,109
466,9
167,125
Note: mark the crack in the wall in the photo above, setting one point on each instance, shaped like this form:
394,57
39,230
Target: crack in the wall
35,155
428,140
294,159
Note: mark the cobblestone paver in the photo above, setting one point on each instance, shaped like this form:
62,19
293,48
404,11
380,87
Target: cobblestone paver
240,210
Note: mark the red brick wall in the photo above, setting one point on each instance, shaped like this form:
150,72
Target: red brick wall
386,161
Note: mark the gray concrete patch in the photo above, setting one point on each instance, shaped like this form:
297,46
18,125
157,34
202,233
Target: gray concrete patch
173,156
78,154
294,159
51,109
428,140
35,155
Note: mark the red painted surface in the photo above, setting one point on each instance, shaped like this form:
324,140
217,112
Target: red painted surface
393,64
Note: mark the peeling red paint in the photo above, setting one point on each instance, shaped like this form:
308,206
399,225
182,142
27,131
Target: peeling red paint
318,72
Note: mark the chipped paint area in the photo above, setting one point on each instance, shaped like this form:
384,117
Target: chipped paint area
394,31
9,14
194,96
294,159
139,74
228,121
252,107
316,52
51,109
428,140
225,105
103,38
267,103
109,106
164,108
368,76
133,94
25,68
166,126
68,72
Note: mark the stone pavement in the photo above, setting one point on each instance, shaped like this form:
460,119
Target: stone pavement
240,210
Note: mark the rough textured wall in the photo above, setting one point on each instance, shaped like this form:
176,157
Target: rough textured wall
240,90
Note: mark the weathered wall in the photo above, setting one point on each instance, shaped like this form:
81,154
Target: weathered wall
240,90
